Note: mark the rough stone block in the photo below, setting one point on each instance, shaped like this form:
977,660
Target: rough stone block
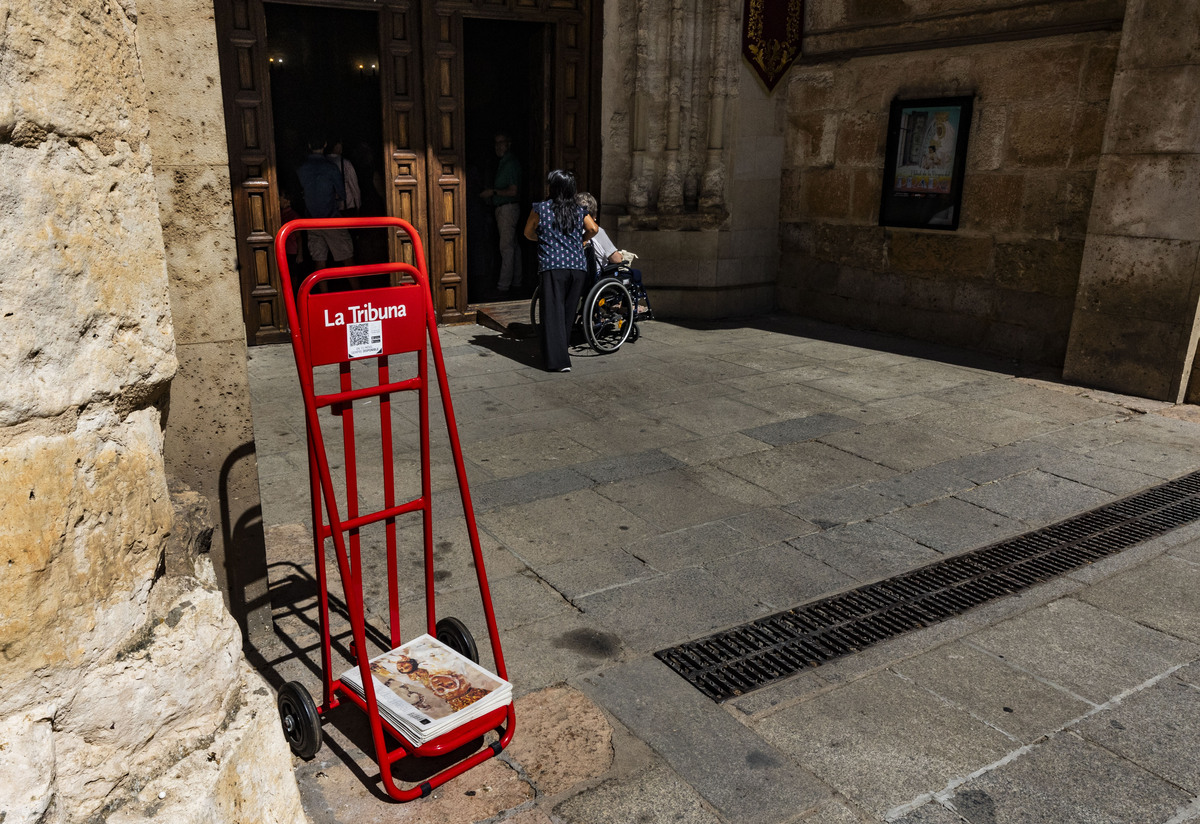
88,320
178,44
1095,84
198,234
84,516
1161,34
939,254
864,201
1148,196
974,299
1039,266
992,202
932,295
1155,111
1038,136
1122,354
1057,203
861,138
1087,135
565,739
813,88
826,194
811,139
1026,71
989,133
1146,278
847,245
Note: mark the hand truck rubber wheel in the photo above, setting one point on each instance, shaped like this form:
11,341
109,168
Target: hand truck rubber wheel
454,634
301,721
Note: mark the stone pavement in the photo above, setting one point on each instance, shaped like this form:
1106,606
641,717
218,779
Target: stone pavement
713,473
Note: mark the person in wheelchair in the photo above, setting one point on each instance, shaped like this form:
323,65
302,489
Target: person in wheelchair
604,259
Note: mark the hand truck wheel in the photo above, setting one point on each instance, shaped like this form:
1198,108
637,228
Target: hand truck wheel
454,634
301,721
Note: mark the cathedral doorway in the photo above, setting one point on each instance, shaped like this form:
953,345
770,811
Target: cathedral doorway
415,91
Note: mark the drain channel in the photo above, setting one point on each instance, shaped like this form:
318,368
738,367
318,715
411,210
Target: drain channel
736,661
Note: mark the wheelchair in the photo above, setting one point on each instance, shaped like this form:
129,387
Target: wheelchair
612,305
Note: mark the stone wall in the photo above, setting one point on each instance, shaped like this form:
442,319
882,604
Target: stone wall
691,149
1005,280
126,695
1135,322
209,432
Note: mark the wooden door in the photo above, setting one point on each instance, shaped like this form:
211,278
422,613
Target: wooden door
446,159
423,131
241,29
404,125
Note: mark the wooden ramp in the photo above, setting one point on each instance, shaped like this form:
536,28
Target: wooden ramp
510,317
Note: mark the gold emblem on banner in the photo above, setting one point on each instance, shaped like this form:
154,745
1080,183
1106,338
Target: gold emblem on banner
772,36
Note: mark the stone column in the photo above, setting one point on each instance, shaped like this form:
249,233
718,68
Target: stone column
1134,328
126,695
209,433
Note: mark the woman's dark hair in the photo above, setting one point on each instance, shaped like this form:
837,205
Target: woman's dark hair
561,185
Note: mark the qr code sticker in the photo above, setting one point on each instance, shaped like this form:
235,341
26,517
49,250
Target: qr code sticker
363,339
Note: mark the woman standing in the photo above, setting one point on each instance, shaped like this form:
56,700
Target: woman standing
560,227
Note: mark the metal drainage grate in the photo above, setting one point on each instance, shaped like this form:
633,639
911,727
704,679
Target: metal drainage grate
735,661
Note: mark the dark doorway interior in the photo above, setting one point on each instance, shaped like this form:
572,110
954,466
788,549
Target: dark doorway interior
505,91
324,66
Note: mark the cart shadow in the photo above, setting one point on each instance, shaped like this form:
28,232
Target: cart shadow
294,596
358,749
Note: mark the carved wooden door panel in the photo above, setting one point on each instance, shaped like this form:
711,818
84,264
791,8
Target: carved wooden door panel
569,99
445,158
404,124
241,29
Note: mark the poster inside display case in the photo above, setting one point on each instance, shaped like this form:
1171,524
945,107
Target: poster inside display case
925,160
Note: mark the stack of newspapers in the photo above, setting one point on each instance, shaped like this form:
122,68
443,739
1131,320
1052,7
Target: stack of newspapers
425,689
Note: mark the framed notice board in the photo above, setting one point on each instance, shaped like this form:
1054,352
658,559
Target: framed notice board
925,161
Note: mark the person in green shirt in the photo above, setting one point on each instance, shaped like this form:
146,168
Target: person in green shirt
504,198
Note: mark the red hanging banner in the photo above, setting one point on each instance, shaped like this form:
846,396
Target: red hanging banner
771,36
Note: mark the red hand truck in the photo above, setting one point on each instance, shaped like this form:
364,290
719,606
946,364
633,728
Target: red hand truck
392,320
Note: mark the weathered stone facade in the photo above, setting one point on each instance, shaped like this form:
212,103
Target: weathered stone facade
1135,323
1005,280
126,694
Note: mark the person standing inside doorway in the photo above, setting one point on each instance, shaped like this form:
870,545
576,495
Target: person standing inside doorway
560,227
506,203
324,191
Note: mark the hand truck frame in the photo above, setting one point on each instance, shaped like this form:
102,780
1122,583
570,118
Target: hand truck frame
405,324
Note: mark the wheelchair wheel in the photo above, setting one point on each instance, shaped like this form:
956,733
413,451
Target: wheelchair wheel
608,316
535,306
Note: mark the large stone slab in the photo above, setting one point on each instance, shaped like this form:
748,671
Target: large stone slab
800,470
1092,653
904,445
882,741
1156,729
1066,779
1163,593
656,794
780,576
1037,498
951,525
649,615
704,745
990,689
865,551
565,740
